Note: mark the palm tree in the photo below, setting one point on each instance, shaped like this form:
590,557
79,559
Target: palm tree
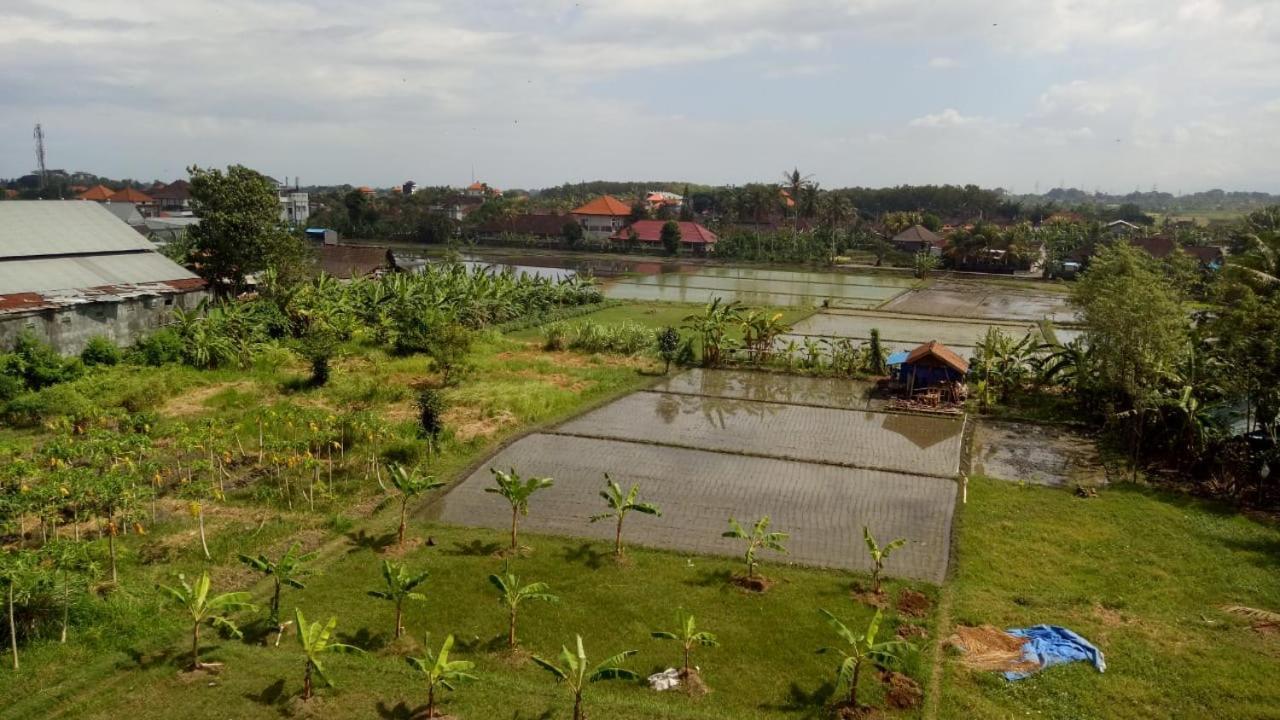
400,587
315,640
517,492
409,484
511,594
576,675
284,571
878,555
858,649
689,637
759,538
202,609
619,505
441,672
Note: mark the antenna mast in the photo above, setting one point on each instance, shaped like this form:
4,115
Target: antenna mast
39,138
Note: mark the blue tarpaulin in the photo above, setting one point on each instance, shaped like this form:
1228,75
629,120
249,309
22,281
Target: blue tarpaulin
1049,645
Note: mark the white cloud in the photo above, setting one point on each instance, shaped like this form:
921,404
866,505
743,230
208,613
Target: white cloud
942,63
949,117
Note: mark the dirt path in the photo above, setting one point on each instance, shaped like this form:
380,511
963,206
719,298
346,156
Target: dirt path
933,698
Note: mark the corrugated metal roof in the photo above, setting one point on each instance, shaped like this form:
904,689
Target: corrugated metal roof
48,274
62,227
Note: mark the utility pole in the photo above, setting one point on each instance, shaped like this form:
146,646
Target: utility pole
39,138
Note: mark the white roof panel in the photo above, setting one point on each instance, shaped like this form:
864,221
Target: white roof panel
63,227
42,275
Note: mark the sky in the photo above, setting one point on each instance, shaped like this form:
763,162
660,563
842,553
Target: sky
1115,95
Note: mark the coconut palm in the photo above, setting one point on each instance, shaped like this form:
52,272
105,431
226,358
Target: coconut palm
858,649
878,555
409,484
284,571
511,594
441,672
689,637
316,641
577,674
201,609
759,538
619,505
401,586
517,491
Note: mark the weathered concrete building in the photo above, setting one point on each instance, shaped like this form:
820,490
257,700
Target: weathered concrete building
71,270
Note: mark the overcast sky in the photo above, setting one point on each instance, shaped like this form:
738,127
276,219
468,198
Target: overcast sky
1109,94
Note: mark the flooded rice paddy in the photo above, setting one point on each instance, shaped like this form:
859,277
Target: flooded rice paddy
710,444
976,299
903,332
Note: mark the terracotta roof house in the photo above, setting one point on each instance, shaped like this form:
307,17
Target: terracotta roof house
70,271
918,238
1157,246
174,196
479,189
136,197
649,232
602,217
97,193
1208,255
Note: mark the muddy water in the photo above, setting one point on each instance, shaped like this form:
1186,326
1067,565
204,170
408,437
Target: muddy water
736,285
976,300
771,387
881,441
1019,452
899,332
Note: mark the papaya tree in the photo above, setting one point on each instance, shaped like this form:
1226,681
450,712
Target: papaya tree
71,562
576,673
619,505
441,672
511,594
516,491
760,538
409,484
401,586
317,641
860,648
283,572
202,609
878,555
17,568
689,637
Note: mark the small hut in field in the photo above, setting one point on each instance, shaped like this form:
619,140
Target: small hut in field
932,366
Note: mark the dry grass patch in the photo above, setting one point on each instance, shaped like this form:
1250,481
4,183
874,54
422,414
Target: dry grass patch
469,423
193,402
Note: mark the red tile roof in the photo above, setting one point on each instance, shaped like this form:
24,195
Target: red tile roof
934,352
604,205
130,195
100,193
691,233
176,190
919,234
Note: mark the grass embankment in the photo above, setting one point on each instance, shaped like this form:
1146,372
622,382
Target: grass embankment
1138,572
659,315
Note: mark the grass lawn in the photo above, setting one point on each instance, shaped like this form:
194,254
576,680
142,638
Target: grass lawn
656,315
1138,572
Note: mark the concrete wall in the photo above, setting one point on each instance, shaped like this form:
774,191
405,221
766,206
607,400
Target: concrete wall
123,322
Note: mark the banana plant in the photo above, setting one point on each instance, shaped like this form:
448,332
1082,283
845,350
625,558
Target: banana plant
201,609
577,673
879,555
858,649
619,505
760,538
511,594
441,672
517,492
401,586
316,641
284,571
409,484
689,637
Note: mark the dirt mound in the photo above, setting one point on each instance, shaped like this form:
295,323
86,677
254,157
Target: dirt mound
693,684
759,583
901,691
911,632
845,711
989,648
912,603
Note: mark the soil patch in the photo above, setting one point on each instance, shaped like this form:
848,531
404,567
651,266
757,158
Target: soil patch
912,603
193,402
395,550
559,380
469,423
901,692
845,711
868,598
989,648
758,584
693,684
910,632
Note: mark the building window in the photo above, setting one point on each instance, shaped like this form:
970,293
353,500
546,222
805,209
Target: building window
168,301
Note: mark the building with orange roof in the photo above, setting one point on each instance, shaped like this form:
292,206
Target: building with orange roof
97,193
137,197
602,217
481,189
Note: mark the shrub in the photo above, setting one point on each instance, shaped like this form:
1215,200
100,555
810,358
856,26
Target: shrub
36,407
668,346
159,348
627,338
431,407
39,364
100,351
555,335
402,452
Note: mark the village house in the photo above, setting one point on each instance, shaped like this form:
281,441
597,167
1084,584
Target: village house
71,271
648,233
602,217
918,238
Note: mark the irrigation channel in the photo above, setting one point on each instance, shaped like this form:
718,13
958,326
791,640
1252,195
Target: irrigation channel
709,444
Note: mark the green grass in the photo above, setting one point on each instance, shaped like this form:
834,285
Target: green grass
766,666
1138,572
656,315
